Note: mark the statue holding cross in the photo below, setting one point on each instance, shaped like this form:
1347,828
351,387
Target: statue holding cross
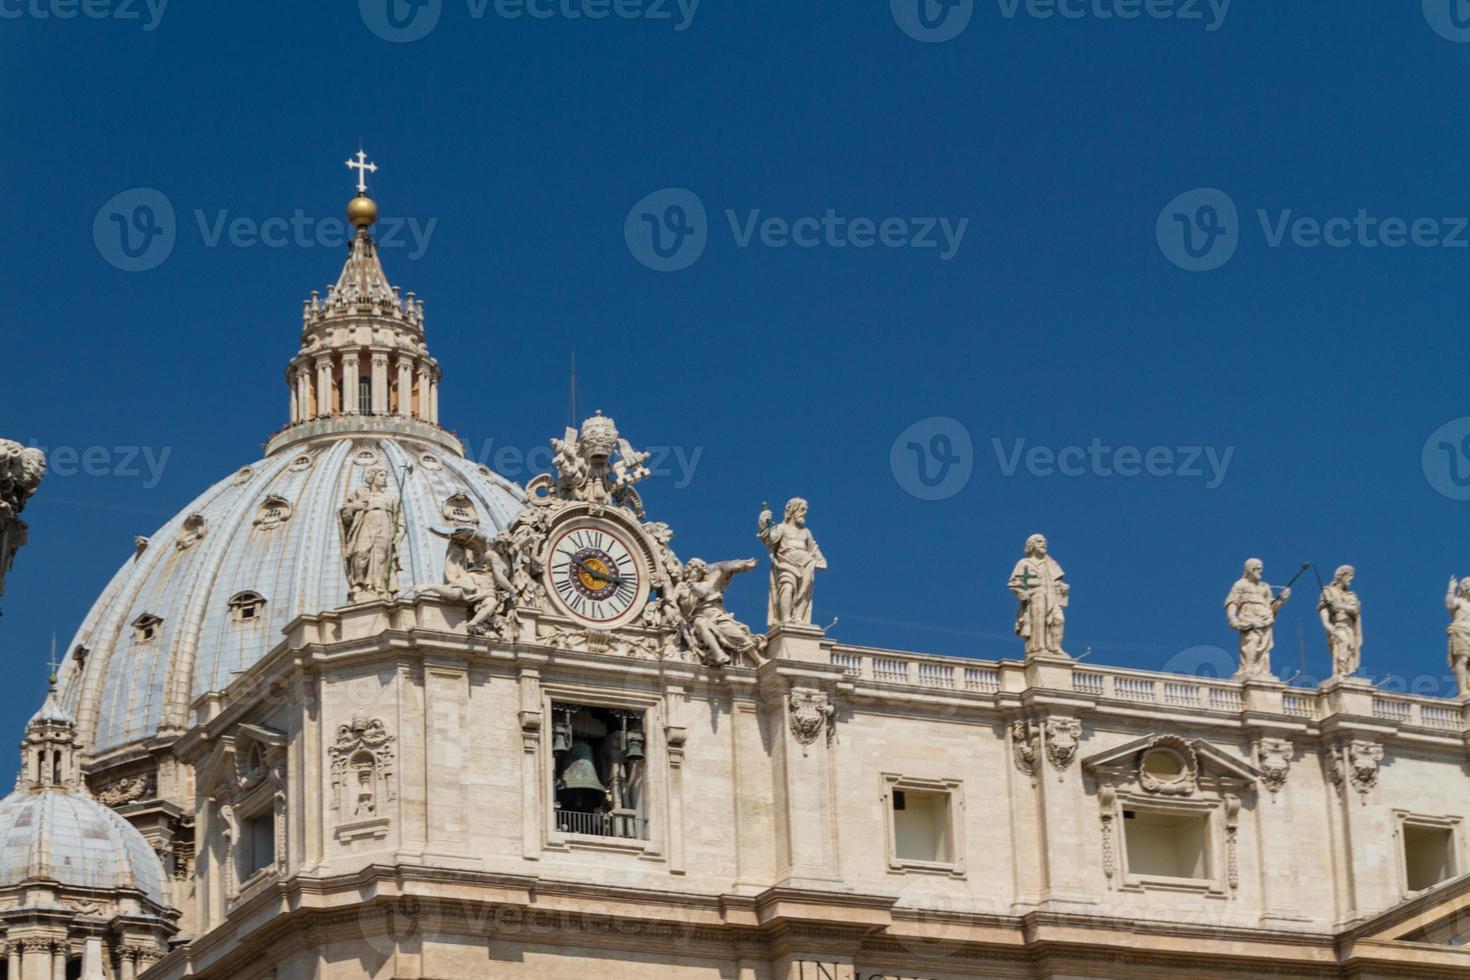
1037,582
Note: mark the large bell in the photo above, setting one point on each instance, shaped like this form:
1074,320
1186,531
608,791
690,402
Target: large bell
579,788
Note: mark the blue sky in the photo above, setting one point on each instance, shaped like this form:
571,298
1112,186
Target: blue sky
1055,325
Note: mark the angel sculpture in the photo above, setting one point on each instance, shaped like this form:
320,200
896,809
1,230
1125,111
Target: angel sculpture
712,631
478,573
21,471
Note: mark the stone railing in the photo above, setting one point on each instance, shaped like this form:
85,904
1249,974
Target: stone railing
1170,691
917,670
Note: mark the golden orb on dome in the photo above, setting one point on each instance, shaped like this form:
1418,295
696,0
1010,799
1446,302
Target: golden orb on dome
362,211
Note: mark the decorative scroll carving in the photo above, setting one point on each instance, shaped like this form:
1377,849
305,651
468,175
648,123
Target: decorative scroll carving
191,532
812,713
1356,764
1026,747
1062,735
362,769
127,790
1273,755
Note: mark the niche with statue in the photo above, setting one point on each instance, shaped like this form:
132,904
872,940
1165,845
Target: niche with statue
598,758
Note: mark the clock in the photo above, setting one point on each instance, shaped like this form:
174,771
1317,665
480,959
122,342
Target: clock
595,573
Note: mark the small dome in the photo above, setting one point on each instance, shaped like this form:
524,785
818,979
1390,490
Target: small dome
62,834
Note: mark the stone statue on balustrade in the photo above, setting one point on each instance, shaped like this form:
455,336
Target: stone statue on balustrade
1251,610
21,471
1457,601
1037,582
1342,618
372,533
795,561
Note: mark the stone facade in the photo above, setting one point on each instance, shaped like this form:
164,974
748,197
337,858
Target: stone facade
412,722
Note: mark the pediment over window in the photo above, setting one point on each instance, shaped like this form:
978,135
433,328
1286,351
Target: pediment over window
1171,765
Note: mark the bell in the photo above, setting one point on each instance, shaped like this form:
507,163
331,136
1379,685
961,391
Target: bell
561,738
633,745
579,788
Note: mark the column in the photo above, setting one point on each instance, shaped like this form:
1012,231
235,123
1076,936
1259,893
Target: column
303,393
12,956
58,962
405,387
423,405
129,971
350,380
434,402
380,384
295,392
324,386
36,959
92,959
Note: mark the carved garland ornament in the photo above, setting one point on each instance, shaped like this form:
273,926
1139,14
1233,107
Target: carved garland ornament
812,713
1026,747
1356,763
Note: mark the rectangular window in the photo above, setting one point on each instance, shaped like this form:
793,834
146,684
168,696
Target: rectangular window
1429,855
259,846
365,396
597,772
921,826
1167,845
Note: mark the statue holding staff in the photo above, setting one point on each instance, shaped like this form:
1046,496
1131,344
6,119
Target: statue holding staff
1457,601
795,561
1251,609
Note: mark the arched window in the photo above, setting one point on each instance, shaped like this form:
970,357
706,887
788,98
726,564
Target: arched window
247,607
56,767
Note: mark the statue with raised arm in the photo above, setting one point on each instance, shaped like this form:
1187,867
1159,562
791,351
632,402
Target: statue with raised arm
1251,609
1037,582
372,531
478,573
1342,617
795,561
1457,601
715,635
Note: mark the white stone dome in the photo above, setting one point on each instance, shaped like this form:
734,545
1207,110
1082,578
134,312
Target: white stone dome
62,834
167,630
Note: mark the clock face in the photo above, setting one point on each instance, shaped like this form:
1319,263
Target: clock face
594,574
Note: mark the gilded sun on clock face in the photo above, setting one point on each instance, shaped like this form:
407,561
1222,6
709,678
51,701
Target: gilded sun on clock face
595,575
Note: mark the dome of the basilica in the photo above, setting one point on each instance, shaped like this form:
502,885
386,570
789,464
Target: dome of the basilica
208,594
62,834
212,590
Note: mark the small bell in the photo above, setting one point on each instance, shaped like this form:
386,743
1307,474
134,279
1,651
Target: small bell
561,738
633,745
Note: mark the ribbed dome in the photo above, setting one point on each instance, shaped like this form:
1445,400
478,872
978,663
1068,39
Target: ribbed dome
61,834
166,630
